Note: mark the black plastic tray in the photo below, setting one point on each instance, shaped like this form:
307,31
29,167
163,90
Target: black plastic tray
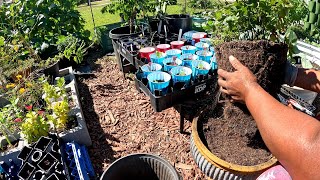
176,97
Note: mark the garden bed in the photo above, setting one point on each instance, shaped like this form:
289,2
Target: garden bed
121,121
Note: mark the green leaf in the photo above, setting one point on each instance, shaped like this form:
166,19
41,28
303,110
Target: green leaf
1,41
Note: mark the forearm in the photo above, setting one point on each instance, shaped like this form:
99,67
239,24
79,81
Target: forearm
290,135
308,79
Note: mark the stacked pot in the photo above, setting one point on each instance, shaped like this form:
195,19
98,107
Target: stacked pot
312,20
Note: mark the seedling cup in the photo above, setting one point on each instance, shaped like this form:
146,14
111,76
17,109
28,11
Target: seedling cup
214,64
188,35
173,52
177,44
206,40
198,36
158,57
149,68
163,47
205,55
188,49
202,46
212,50
159,81
200,68
181,74
146,52
188,58
170,63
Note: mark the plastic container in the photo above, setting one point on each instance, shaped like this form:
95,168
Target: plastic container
214,64
163,47
141,166
159,81
188,35
181,74
200,68
167,66
146,52
205,55
212,50
198,36
149,68
202,46
206,40
175,22
188,58
188,49
173,52
177,44
158,58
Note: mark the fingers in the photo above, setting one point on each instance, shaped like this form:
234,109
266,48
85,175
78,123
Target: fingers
235,63
222,83
223,74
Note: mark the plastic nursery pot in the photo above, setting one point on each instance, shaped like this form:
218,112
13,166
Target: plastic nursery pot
216,168
197,36
42,143
146,52
141,166
25,153
173,52
159,81
313,28
312,6
206,40
188,35
188,49
163,47
214,64
181,74
158,57
317,11
202,46
307,26
205,55
52,70
176,44
149,68
47,162
200,68
313,17
170,63
179,21
26,171
212,50
188,58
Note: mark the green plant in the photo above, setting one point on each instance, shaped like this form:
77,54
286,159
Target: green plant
34,127
200,4
72,48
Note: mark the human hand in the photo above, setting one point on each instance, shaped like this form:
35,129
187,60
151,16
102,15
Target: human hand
238,83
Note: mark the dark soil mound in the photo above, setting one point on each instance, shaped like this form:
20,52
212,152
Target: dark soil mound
231,134
265,59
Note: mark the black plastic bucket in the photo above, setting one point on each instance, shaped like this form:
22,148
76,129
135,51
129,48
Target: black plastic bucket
179,21
140,166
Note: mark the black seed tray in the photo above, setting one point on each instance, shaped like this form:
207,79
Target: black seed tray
176,95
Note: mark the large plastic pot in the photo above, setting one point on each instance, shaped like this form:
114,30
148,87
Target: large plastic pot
116,34
179,21
216,168
140,166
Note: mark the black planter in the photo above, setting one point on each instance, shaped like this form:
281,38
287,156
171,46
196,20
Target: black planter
141,166
26,171
43,143
52,70
47,162
179,21
24,154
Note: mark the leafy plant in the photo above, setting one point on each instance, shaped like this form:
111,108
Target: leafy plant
34,127
72,48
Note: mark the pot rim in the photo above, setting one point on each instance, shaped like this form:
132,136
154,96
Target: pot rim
222,163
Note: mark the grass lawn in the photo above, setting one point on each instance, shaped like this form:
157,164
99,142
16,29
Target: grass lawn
105,19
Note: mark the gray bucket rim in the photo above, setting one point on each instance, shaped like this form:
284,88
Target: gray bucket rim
159,158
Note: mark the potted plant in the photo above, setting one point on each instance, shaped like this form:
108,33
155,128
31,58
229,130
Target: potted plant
205,55
188,58
202,46
200,68
149,68
170,63
181,74
159,81
158,57
173,52
188,49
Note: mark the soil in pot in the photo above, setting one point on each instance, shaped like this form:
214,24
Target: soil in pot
72,122
231,133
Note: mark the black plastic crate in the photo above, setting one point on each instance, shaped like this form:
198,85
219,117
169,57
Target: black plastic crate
176,96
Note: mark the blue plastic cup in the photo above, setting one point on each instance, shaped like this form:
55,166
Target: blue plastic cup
188,35
166,64
212,50
173,52
202,46
200,67
206,40
188,49
205,55
214,64
159,81
181,74
188,58
158,59
149,68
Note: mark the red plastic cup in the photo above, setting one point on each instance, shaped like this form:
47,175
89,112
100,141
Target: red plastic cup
163,47
146,52
177,44
199,35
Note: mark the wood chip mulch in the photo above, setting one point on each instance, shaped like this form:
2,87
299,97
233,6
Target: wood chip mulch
121,121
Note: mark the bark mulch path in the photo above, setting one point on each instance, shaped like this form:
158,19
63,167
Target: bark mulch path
121,121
